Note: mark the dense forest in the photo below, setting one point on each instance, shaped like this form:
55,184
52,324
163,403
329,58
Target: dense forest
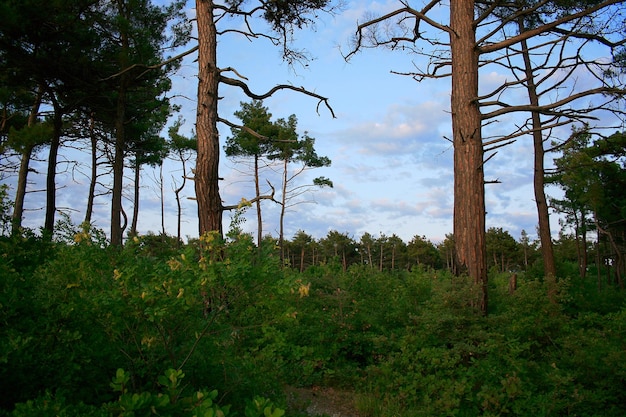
118,323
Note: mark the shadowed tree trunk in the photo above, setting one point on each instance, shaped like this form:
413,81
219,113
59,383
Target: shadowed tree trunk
52,167
94,171
207,160
22,178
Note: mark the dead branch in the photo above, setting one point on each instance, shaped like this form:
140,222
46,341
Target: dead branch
255,199
552,108
418,15
151,67
244,87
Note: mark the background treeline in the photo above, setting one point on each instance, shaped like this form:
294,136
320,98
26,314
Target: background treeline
219,327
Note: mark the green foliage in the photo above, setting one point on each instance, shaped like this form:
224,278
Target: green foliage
170,401
221,316
262,407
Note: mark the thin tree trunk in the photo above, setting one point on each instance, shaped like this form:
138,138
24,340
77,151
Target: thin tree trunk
52,167
283,201
177,193
545,235
118,169
22,178
94,172
162,200
133,224
469,183
583,247
259,217
207,162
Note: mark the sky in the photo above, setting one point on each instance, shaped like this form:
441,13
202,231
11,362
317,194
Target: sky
391,162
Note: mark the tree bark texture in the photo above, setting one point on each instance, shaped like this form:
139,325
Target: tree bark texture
469,184
207,161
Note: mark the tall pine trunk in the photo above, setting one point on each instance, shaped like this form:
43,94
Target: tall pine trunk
117,229
207,160
469,184
545,236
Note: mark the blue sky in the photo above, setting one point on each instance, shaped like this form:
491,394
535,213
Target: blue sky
391,164
392,167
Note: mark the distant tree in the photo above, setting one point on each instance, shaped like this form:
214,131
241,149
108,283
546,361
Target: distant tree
527,247
367,248
291,149
300,245
592,175
446,249
339,246
422,252
501,248
252,140
397,252
182,148
574,172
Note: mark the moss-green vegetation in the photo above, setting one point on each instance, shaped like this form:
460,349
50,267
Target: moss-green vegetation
217,328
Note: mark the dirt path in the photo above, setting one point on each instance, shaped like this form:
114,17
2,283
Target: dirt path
322,401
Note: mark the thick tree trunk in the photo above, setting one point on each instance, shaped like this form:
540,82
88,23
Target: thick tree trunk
207,160
469,184
545,236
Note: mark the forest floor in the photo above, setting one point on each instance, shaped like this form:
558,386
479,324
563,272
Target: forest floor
318,401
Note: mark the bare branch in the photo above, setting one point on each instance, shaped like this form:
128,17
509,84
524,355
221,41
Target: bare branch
151,67
406,10
255,199
244,87
542,29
